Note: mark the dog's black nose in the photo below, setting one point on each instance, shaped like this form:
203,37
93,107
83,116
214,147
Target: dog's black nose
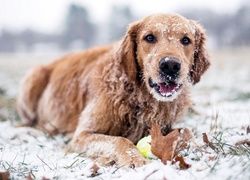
169,66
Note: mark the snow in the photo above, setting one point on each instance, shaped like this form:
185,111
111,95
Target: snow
221,110
25,150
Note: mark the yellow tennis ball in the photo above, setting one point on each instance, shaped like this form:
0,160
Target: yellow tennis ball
144,147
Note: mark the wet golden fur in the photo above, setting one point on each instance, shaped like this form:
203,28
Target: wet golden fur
101,96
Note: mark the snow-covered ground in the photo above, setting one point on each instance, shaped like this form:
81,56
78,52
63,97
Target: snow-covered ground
221,110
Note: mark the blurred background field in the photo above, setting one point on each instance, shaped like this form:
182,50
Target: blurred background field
71,25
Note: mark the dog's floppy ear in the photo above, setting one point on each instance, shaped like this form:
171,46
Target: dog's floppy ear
201,57
127,52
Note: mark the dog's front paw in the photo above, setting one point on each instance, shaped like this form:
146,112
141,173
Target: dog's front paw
109,150
132,162
123,161
129,156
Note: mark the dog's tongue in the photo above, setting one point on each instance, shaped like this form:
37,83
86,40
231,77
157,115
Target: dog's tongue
166,88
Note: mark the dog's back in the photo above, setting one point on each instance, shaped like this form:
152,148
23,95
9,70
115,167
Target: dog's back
52,96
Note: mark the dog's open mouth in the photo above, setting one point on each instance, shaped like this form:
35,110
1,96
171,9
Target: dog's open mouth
165,89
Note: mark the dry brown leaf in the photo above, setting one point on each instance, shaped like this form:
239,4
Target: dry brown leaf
94,170
211,157
4,175
246,141
182,164
29,177
206,141
44,178
167,147
163,146
248,129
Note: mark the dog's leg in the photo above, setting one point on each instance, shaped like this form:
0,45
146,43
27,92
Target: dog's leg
30,92
108,150
93,140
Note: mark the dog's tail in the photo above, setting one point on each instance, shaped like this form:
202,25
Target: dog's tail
32,87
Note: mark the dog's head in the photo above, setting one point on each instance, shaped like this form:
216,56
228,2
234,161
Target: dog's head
166,52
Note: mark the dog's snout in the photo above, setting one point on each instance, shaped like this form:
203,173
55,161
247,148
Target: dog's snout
169,66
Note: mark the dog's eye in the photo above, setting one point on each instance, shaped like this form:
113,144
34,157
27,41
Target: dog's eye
185,41
150,38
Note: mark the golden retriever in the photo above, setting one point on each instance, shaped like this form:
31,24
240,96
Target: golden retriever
107,97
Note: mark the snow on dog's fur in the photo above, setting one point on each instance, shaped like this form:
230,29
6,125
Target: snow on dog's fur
108,97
